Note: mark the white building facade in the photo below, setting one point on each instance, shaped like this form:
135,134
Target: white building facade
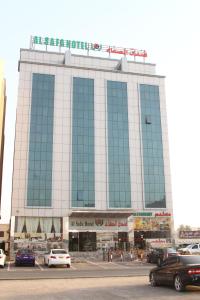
91,160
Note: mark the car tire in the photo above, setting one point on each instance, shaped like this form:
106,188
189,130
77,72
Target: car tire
49,266
68,266
153,280
178,284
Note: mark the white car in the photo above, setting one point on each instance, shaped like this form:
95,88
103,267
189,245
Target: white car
57,257
190,249
2,258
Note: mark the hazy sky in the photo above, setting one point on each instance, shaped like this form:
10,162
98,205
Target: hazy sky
168,29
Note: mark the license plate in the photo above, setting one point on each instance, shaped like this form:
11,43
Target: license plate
61,257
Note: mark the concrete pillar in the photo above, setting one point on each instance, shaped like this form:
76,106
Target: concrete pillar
66,232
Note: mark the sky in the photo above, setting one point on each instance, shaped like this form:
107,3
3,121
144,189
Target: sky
167,29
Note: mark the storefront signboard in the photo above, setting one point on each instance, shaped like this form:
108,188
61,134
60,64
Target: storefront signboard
162,214
158,242
142,214
107,224
189,234
152,224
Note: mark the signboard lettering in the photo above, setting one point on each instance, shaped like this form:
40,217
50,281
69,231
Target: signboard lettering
73,44
99,223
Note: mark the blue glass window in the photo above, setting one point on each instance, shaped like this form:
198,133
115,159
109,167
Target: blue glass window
83,172
118,145
41,141
153,165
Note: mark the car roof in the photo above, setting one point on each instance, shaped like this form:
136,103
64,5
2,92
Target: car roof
58,249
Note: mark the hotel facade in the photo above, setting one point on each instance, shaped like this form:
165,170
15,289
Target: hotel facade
91,161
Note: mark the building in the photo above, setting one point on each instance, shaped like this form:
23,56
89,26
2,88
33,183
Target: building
91,160
2,123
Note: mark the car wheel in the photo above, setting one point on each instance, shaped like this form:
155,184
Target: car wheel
153,280
49,266
178,284
68,266
148,259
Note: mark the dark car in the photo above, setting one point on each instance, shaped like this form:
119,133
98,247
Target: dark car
25,257
177,271
158,255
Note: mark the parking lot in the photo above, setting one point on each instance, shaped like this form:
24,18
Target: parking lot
85,268
86,265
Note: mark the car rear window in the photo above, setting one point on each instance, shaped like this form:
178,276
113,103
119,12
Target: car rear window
25,251
159,250
59,252
171,250
193,259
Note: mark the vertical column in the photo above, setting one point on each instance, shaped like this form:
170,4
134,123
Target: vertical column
66,232
100,144
135,146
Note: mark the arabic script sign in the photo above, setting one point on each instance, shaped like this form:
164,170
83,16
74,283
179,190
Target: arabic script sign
98,224
74,44
189,234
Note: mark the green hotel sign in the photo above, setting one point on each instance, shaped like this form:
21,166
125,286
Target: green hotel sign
74,44
66,43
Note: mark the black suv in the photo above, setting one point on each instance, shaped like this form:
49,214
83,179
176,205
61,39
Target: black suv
158,255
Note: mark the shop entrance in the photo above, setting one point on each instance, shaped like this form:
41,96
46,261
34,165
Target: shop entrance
123,242
87,241
139,239
82,241
73,241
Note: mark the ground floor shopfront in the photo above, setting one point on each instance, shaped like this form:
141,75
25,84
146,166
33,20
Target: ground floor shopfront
92,231
96,232
79,233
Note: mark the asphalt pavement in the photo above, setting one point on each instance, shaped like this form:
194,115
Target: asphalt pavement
87,269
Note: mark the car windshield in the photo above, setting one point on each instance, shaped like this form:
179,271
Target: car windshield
59,251
192,259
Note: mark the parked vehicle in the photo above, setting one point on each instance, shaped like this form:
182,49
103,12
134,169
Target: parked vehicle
2,258
57,257
190,249
177,271
25,257
158,255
